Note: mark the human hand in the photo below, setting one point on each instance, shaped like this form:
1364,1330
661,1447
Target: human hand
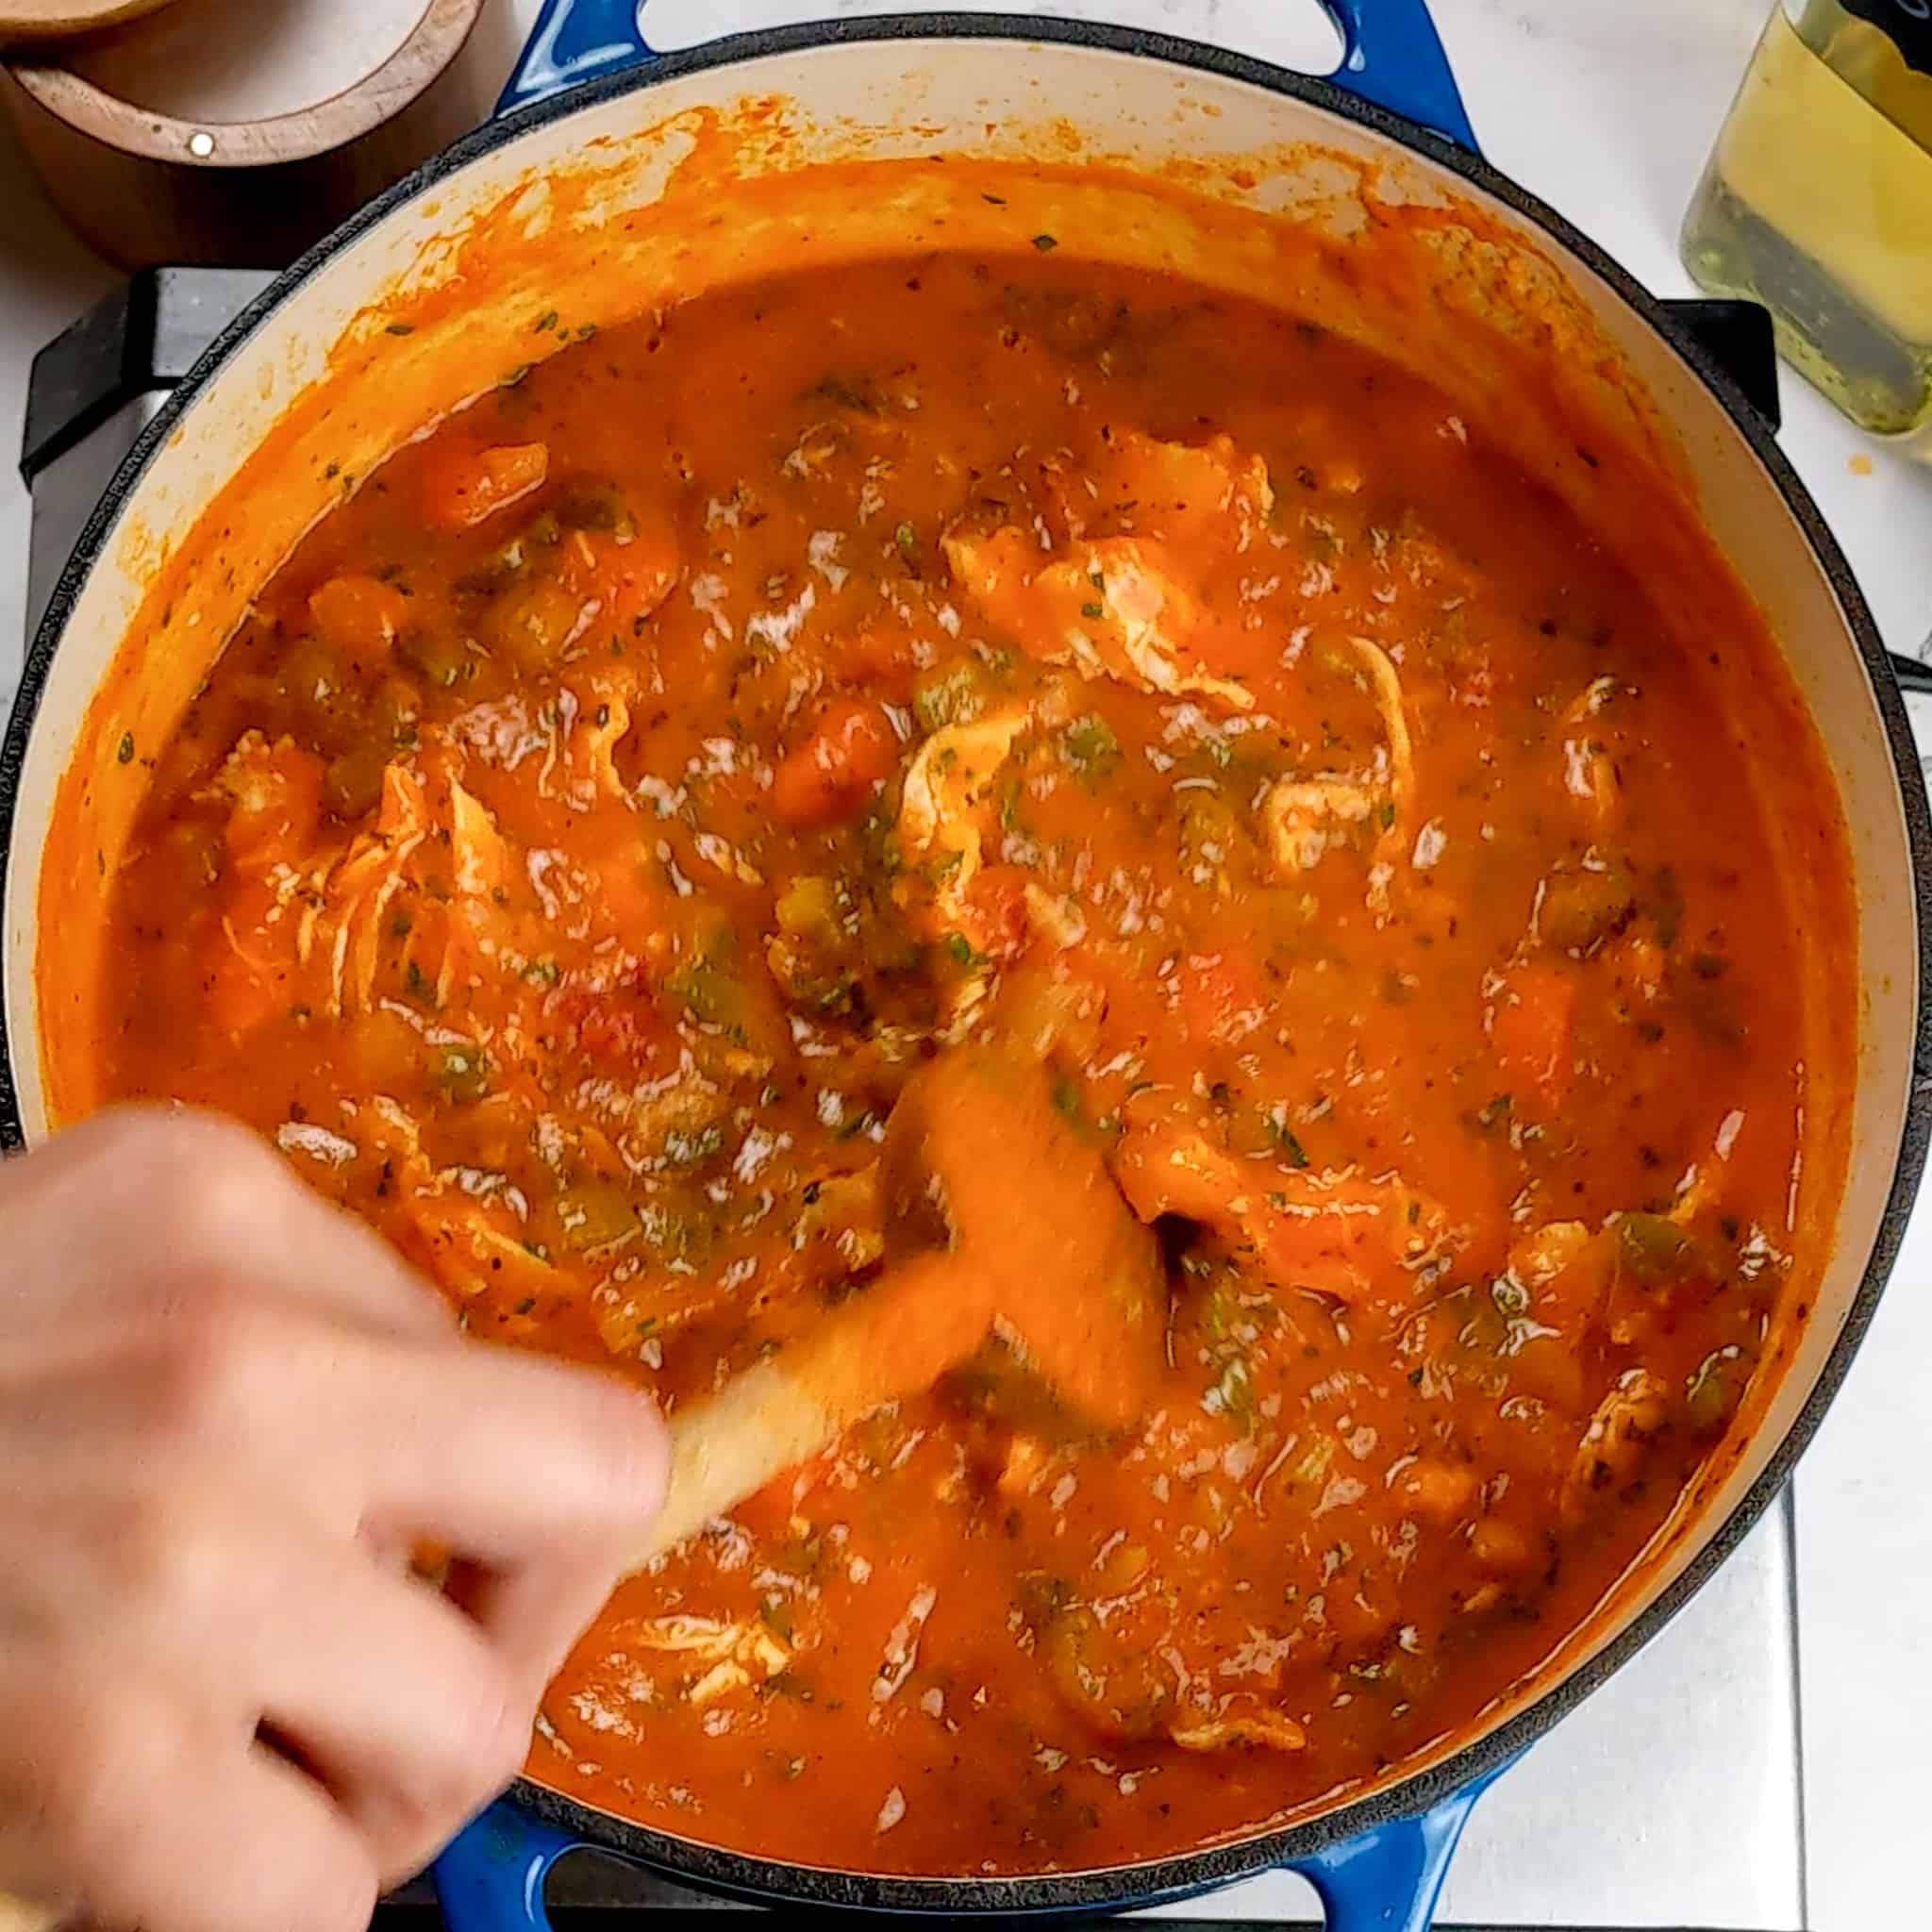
228,1413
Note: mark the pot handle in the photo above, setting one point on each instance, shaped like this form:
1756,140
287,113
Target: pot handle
577,40
1392,57
1389,1879
491,1878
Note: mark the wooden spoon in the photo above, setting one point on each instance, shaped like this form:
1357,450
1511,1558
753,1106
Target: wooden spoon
1001,1221
46,20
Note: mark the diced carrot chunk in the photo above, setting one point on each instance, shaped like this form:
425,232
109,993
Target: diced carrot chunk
249,979
633,578
1532,1027
1222,997
468,1256
874,653
469,487
999,924
846,753
361,615
276,793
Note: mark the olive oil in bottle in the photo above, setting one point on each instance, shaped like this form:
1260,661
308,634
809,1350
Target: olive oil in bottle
1817,204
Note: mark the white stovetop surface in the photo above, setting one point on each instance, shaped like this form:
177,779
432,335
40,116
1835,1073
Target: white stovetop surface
1605,108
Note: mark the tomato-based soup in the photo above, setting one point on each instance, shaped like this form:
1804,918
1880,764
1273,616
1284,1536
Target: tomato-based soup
612,805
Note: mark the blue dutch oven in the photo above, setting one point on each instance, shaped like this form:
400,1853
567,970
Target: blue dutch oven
590,84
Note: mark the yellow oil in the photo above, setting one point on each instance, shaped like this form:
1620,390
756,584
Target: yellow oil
1817,204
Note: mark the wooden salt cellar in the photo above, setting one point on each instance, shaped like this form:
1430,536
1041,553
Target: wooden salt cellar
236,133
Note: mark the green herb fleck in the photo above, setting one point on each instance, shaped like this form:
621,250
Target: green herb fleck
1093,611
1233,1394
1091,748
463,1073
1283,1136
123,752
1654,1248
960,950
845,395
692,1146
1494,1113
907,537
402,328
953,697
1047,243
545,323
1715,1388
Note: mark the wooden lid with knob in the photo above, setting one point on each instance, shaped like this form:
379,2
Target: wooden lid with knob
36,19
226,133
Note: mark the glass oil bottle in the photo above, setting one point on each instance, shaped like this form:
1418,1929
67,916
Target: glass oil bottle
1817,204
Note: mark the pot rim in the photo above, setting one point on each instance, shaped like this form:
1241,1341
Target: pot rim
1121,1886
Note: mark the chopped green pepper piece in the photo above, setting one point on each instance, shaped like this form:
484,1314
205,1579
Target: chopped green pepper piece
1653,1248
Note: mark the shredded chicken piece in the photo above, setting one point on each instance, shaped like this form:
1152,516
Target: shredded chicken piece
1126,605
588,756
733,1651
846,1212
946,811
1614,1443
1055,918
484,862
1114,609
1335,1233
358,893
1270,1730
1539,1257
1589,774
1183,489
1305,818
1025,1456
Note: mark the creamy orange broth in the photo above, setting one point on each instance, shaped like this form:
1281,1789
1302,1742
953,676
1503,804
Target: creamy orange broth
602,814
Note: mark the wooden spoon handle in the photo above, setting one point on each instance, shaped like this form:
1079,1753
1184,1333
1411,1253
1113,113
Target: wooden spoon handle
888,1343
751,1432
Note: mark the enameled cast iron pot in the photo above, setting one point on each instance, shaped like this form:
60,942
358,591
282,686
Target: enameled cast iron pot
591,98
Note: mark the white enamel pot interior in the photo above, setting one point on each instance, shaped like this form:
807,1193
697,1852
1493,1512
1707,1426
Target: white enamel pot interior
650,225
